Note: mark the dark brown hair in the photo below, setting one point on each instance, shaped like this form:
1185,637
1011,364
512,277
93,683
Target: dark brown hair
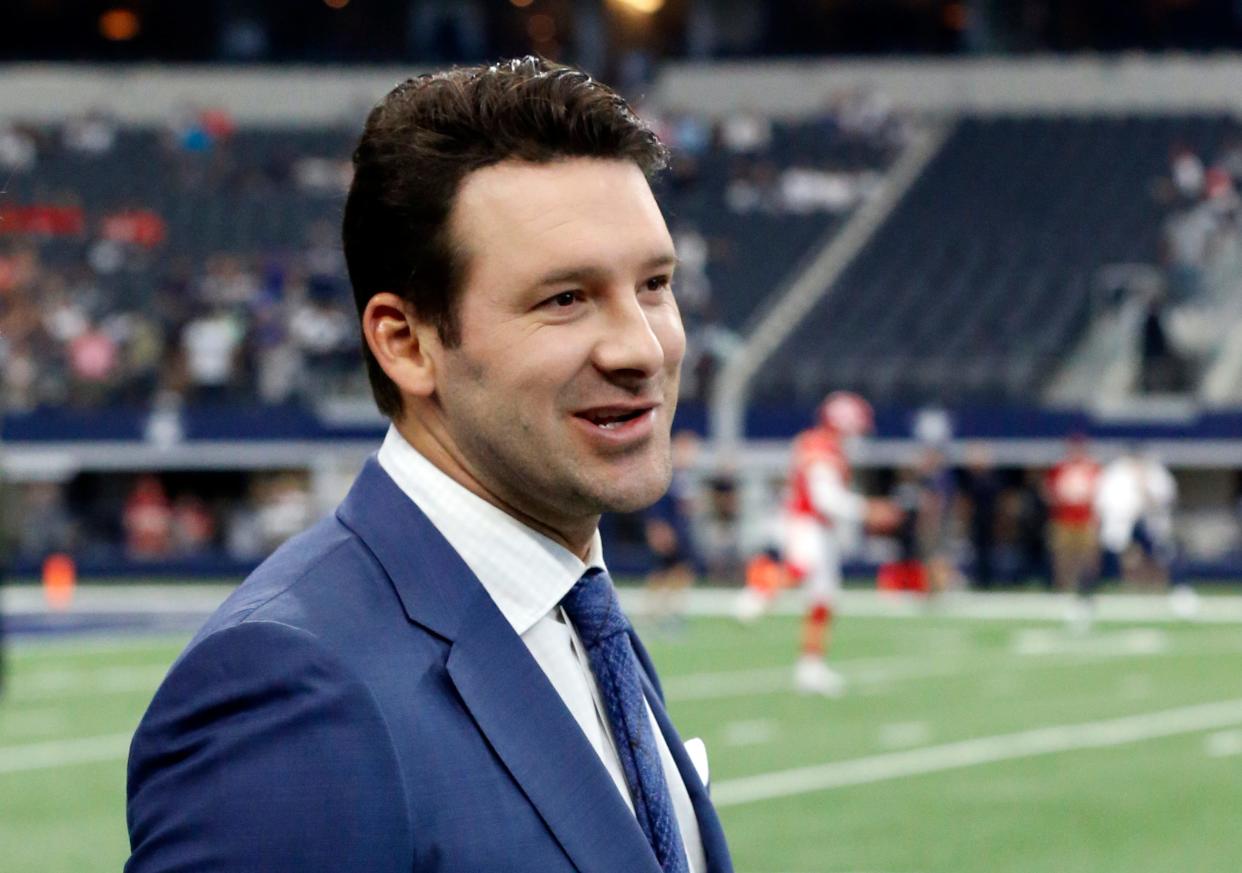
426,136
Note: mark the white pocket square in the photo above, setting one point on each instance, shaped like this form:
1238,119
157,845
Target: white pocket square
696,750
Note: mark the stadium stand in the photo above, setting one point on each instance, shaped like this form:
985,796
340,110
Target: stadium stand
980,282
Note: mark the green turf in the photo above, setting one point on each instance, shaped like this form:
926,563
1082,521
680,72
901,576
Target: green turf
1157,804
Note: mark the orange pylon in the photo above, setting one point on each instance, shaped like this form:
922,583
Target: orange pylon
60,577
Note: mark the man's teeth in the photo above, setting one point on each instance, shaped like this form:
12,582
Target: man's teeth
614,421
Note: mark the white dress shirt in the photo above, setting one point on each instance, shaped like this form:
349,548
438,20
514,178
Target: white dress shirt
527,574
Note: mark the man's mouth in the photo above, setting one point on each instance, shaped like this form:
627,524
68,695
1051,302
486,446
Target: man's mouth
610,419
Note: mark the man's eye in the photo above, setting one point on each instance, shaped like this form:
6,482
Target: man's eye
564,299
655,283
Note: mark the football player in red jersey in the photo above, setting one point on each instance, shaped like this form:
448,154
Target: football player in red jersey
1070,489
821,516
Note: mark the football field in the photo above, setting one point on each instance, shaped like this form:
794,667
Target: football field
969,740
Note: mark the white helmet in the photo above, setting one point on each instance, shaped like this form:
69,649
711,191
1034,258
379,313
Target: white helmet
847,414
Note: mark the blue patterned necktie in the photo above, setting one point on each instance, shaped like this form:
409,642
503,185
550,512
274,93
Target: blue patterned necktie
592,607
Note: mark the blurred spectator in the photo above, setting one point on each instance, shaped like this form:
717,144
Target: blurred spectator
907,572
138,227
804,190
243,539
91,135
284,508
746,133
323,176
1135,502
196,131
935,519
211,344
982,490
19,150
93,365
1186,170
229,282
142,354
667,528
193,526
1230,159
148,521
719,531
326,334
1030,515
1070,489
1188,237
43,523
694,289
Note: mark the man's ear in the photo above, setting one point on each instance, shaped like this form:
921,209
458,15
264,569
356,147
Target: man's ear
400,343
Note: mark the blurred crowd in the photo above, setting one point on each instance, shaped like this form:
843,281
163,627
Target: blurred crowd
98,306
1201,264
134,520
111,300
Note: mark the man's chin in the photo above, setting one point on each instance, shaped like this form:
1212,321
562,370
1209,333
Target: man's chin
631,495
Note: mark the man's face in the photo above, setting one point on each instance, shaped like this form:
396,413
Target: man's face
559,399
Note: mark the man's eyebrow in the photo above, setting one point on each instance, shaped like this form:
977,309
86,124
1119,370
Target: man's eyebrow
588,273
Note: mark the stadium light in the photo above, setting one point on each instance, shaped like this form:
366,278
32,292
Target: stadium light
643,7
541,28
521,4
336,4
119,25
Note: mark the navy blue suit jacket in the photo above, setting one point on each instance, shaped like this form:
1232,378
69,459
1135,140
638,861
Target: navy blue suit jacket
359,703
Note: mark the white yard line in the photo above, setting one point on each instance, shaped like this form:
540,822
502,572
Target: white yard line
756,732
779,680
729,683
800,780
91,643
862,672
1224,744
60,753
981,750
53,684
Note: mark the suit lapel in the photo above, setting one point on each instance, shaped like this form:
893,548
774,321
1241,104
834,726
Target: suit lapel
511,700
542,746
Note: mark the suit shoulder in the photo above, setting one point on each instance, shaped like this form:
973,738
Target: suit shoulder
277,588
247,728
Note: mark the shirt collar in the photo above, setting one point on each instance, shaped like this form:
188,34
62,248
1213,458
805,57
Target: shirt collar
525,572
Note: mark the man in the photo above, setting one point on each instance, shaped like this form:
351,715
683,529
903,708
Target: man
1070,491
982,487
821,519
667,530
416,683
1135,502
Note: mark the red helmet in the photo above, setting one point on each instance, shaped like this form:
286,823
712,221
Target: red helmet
847,414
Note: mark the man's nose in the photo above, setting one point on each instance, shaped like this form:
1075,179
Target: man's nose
628,344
